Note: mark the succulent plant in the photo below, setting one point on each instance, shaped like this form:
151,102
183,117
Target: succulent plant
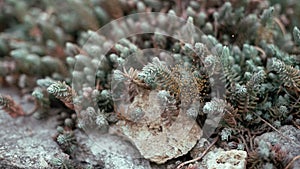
248,48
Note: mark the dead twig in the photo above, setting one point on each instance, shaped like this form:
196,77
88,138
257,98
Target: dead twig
291,162
200,157
264,56
281,26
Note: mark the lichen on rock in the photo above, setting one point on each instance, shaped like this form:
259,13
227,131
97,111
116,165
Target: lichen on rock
218,158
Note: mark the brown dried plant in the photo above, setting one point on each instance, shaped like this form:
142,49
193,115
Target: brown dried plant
10,106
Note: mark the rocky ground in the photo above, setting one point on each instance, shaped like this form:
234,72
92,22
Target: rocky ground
28,143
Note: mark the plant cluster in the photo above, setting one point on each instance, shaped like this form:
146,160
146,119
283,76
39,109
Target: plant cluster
251,47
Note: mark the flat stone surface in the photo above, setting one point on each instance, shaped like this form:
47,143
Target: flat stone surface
291,143
221,159
26,142
108,152
155,140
